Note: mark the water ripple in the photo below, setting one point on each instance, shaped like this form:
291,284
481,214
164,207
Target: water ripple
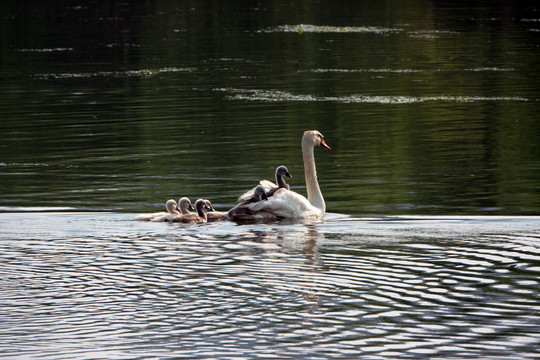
124,289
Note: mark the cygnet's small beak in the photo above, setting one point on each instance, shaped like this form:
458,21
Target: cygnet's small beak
263,196
288,175
209,205
190,207
323,145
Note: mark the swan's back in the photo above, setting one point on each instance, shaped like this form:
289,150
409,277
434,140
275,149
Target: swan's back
286,204
248,196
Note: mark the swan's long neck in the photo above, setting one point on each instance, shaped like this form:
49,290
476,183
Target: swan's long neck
315,196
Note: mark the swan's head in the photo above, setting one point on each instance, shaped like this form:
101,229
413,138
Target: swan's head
315,138
282,171
260,193
209,205
171,206
185,204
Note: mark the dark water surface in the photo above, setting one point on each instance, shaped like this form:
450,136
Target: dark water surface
108,109
430,109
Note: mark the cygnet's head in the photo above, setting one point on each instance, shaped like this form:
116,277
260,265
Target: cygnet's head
260,193
185,204
209,205
201,205
282,171
171,206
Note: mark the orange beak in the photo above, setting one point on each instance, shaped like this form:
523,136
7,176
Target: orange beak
323,145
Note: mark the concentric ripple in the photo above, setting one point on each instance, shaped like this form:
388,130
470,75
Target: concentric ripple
105,286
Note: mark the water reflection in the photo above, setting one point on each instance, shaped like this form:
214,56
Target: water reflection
303,28
122,107
283,96
143,73
377,287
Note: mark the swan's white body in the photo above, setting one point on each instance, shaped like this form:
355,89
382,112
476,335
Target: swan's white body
285,204
172,210
289,204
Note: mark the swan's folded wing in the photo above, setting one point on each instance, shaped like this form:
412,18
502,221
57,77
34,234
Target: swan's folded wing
286,204
268,185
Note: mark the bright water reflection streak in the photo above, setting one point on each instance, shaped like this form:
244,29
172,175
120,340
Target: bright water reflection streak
445,287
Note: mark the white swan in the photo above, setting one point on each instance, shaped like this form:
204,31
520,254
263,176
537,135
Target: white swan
170,205
214,215
269,186
200,217
184,205
289,204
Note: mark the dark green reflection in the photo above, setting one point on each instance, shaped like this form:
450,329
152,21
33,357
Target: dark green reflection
429,108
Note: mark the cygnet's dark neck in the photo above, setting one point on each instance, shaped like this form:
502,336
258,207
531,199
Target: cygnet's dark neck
200,209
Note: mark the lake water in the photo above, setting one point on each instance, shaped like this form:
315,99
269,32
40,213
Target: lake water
431,244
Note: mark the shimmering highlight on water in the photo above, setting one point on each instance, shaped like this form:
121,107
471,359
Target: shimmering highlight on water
346,287
283,96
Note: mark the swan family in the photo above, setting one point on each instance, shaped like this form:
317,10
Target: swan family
266,201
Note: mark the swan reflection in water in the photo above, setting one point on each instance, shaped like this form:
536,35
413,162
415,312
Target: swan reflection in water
303,277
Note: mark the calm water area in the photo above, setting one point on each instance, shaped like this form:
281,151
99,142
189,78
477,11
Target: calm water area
430,247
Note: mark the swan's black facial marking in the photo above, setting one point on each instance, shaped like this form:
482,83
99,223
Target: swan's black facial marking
323,143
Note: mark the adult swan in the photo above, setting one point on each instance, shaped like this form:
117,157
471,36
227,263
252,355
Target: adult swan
289,204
